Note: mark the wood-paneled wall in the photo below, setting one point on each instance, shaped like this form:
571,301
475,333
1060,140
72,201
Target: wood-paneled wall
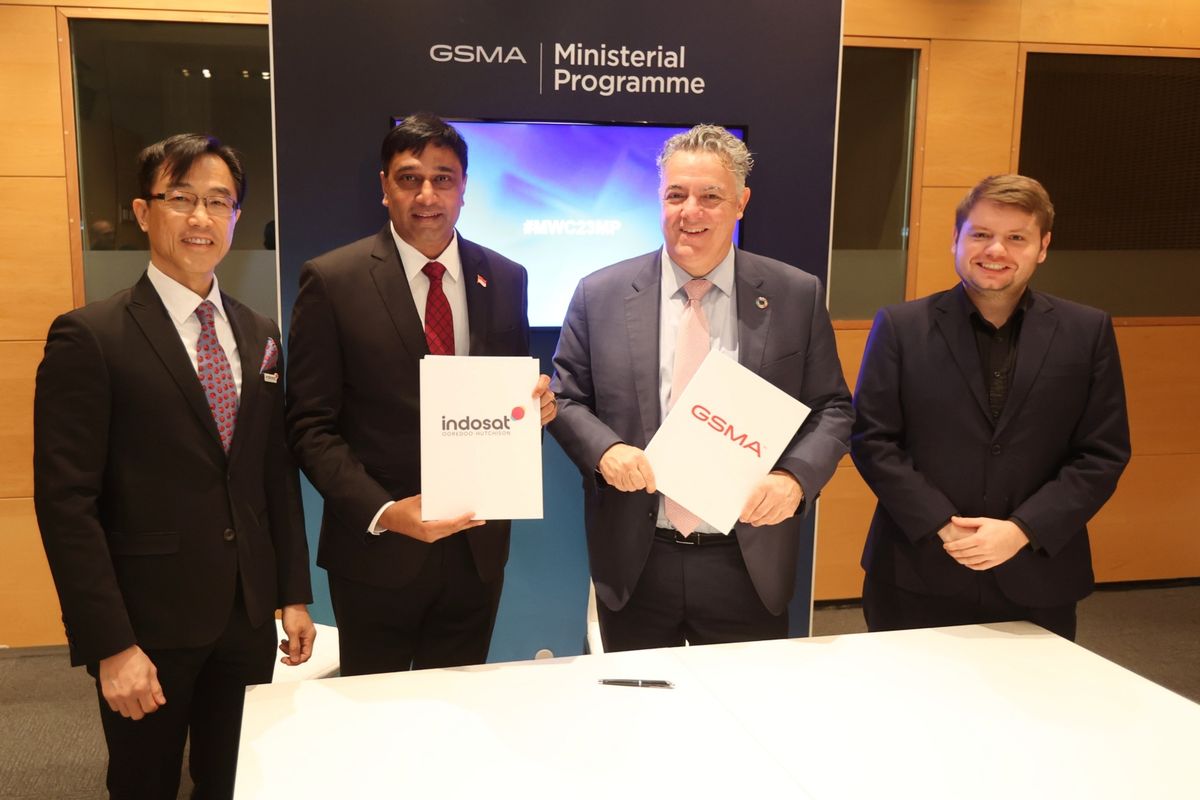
972,115
36,273
974,68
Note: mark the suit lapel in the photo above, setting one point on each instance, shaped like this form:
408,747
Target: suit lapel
641,321
1037,332
753,311
388,275
250,353
476,275
151,317
955,326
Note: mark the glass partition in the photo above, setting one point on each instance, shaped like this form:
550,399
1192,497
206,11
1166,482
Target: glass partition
1116,141
138,82
876,124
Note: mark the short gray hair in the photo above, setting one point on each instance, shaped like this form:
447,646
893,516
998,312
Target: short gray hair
714,139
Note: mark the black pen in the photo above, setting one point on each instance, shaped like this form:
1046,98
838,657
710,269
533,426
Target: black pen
637,682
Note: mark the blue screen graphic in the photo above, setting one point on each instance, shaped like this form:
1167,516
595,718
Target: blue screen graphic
563,199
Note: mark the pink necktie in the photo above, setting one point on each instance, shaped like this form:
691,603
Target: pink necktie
216,376
439,321
691,346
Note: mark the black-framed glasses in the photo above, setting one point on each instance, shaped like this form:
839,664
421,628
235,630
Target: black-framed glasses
181,202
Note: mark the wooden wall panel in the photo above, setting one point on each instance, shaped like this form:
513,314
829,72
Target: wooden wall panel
31,134
241,6
934,19
850,346
935,261
846,502
845,513
18,365
1145,23
1162,392
31,612
968,133
1147,531
35,256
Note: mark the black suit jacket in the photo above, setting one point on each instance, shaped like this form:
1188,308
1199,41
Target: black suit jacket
147,524
924,443
354,350
606,378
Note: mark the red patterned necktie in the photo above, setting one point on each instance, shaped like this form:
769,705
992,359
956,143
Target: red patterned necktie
691,346
439,321
216,376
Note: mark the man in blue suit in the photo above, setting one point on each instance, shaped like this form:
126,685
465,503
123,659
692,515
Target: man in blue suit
661,578
991,425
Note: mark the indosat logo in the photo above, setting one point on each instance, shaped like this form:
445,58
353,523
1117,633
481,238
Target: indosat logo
482,426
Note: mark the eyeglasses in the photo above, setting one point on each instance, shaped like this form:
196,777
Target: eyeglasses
181,202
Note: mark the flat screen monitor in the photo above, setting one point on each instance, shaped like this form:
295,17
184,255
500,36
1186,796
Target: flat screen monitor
563,199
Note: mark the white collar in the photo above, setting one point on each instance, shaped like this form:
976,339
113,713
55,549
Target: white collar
181,302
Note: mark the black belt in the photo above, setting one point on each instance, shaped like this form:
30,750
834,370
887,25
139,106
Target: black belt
670,535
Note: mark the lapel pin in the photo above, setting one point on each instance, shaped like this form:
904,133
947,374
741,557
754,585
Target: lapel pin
271,377
761,302
482,281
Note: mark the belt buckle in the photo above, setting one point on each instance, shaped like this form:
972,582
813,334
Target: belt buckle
688,540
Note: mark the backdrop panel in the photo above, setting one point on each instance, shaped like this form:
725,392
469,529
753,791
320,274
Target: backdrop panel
341,70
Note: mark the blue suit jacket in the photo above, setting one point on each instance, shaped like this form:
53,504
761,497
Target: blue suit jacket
606,380
925,445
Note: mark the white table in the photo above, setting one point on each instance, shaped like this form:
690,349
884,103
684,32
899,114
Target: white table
1003,710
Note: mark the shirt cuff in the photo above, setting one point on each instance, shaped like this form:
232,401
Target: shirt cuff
375,528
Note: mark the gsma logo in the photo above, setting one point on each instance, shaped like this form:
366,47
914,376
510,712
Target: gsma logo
725,429
475,54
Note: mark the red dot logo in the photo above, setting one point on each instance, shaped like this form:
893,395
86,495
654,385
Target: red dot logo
517,413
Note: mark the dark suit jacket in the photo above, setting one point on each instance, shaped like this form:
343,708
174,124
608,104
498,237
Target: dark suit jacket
606,379
147,524
354,351
925,445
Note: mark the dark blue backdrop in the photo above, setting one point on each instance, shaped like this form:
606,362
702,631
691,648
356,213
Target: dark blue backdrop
342,70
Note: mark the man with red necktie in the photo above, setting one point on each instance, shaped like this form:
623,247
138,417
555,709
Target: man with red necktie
167,498
407,593
635,333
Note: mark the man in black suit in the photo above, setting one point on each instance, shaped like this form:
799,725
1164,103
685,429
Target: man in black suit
167,499
407,594
991,426
661,575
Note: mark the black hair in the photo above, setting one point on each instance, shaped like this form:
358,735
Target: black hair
418,130
175,156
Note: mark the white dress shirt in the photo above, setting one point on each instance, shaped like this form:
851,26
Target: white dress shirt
720,308
455,288
181,303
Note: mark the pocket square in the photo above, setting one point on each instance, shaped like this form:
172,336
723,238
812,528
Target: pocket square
270,357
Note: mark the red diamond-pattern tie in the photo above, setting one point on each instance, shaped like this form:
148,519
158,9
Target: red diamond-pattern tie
439,321
216,376
691,346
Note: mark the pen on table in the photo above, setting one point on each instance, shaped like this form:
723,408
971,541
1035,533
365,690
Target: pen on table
648,684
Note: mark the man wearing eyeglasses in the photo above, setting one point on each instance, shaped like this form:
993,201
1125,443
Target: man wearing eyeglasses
165,492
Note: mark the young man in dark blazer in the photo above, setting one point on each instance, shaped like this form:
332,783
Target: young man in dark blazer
991,425
407,594
165,492
661,575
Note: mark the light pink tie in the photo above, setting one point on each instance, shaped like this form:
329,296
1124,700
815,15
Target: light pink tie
691,346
